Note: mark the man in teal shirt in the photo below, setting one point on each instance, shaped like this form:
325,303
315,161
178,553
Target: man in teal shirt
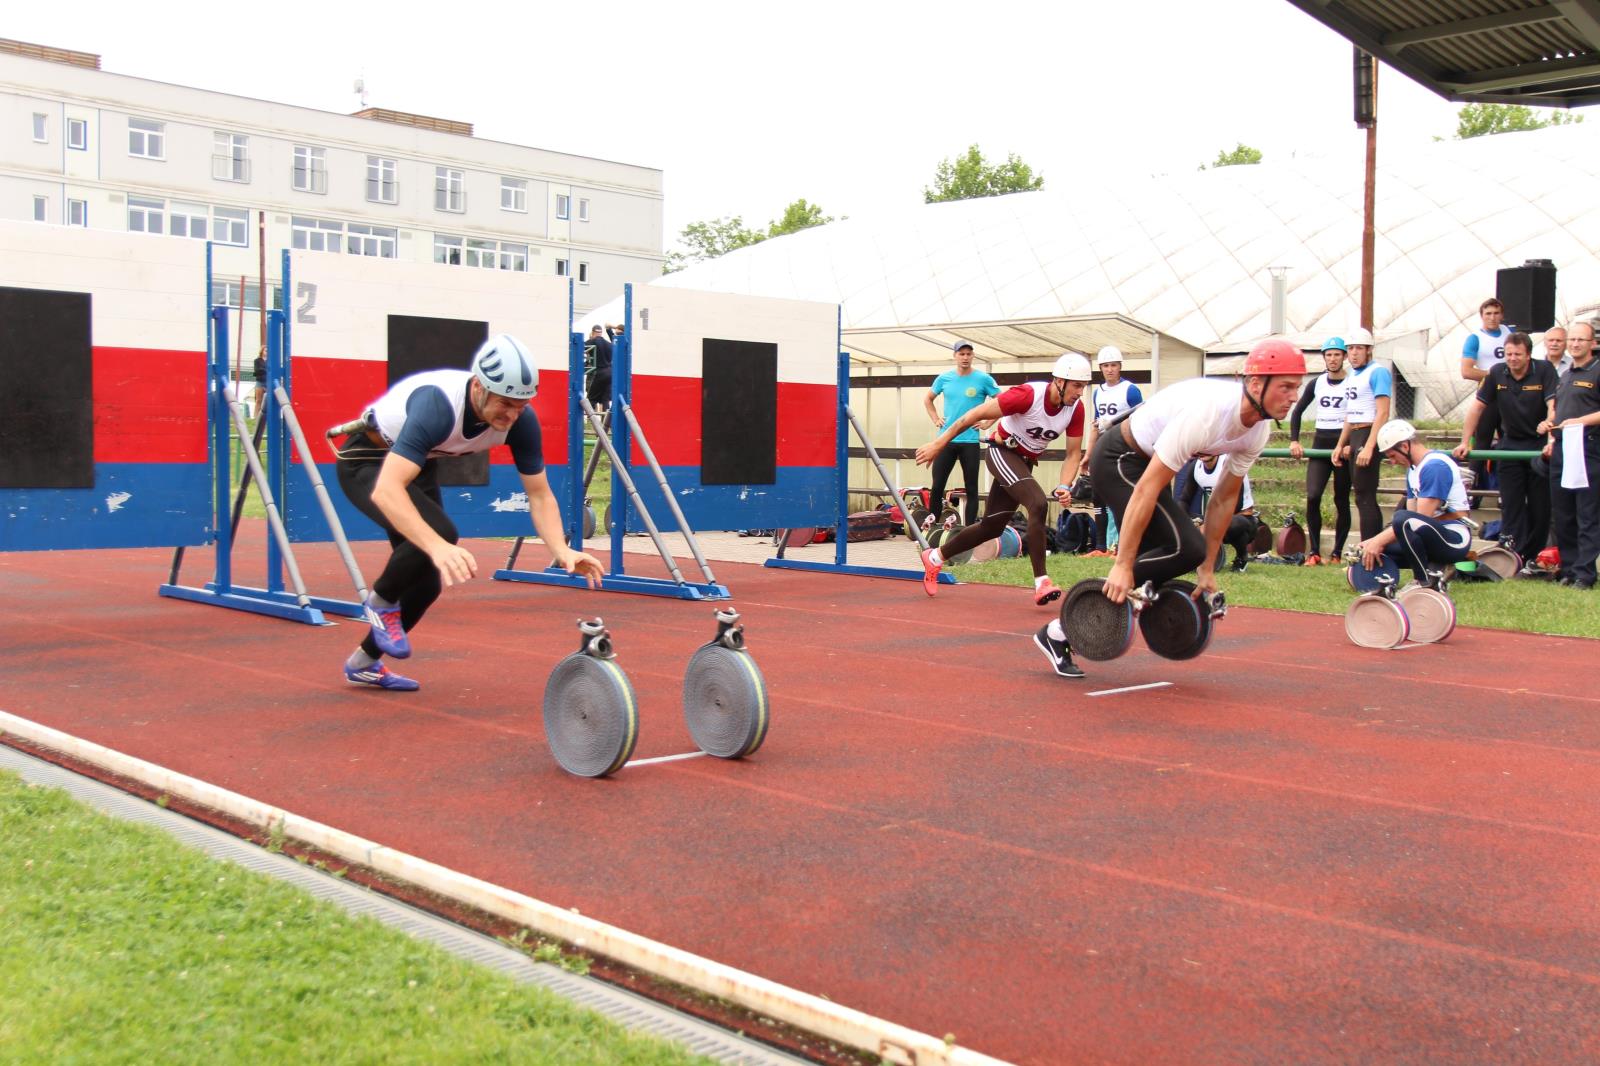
963,388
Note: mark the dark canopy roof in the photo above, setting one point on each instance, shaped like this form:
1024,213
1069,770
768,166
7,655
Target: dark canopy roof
1540,52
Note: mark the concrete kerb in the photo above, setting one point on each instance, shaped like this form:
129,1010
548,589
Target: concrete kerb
893,1043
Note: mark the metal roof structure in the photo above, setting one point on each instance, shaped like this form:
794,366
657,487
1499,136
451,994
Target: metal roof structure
1538,52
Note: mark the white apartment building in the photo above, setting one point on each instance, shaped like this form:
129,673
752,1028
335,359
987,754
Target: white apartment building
83,147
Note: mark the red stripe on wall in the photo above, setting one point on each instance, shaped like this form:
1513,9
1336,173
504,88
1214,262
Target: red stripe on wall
328,392
149,405
668,408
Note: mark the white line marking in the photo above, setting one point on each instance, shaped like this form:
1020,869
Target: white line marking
1407,646
665,758
1131,688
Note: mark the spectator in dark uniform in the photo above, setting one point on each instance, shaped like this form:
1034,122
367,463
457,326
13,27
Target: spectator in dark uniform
259,372
597,357
1575,461
1521,393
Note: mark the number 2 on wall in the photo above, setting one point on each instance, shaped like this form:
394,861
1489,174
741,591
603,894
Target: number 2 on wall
303,313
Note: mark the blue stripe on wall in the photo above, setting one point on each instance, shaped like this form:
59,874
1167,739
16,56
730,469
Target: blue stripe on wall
132,505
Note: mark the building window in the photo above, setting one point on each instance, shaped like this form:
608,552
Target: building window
446,249
376,241
316,235
231,225
583,210
481,253
77,212
77,134
449,192
230,160
583,273
226,294
563,206
310,169
514,257
187,220
40,127
381,185
41,206
146,216
147,139
513,194
561,268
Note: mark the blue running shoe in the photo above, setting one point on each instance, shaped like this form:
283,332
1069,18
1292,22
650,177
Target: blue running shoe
379,676
387,631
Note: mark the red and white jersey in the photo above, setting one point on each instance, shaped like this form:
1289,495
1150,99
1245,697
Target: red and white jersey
1025,423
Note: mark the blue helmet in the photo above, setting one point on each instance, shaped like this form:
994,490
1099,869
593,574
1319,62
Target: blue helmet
505,367
1335,344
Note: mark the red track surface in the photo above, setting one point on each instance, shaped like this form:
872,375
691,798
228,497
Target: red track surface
1299,852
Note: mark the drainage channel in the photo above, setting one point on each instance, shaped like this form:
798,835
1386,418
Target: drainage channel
619,1005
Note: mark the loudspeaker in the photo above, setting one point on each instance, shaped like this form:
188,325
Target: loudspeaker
1529,295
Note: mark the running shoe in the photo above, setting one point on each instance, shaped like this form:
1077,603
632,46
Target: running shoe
1313,560
1240,561
930,573
1046,593
1057,651
379,676
387,631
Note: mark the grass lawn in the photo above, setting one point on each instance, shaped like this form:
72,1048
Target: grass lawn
119,944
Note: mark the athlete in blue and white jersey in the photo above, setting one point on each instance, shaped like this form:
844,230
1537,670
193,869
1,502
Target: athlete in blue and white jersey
1485,346
1433,533
1107,400
1368,389
1325,394
387,469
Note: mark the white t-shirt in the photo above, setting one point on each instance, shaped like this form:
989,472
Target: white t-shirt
1207,480
1199,416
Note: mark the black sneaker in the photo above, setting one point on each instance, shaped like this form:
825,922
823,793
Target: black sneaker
1057,652
1240,561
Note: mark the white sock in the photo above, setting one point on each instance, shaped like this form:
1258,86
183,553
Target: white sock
360,660
1039,581
382,604
1056,632
935,558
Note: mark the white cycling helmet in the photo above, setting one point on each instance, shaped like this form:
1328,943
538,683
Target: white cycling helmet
1109,354
1073,367
1394,432
505,367
1360,336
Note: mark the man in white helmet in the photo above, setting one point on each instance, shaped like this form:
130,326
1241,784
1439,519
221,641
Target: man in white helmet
1432,534
388,471
1107,400
1030,416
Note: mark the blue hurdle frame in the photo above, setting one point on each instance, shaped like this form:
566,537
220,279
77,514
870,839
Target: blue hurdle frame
841,564
274,601
617,578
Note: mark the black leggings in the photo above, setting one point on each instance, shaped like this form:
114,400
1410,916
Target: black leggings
1424,543
1365,481
1171,545
969,453
410,578
1317,474
1013,487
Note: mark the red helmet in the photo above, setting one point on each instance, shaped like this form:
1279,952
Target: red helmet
1274,356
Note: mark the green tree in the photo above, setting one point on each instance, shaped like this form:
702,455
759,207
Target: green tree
970,176
796,217
1480,120
708,240
1242,155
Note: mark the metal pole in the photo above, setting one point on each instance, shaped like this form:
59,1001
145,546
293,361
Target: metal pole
666,491
620,472
1369,208
244,479
310,464
872,453
279,534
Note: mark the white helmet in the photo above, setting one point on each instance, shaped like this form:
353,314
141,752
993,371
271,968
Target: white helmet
505,367
1393,432
1109,354
1360,335
1073,367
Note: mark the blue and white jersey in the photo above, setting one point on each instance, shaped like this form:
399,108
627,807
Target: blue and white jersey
1328,397
427,415
1438,477
1207,480
1110,400
1362,389
1486,349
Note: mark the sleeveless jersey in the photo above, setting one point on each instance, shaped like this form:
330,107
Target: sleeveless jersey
1491,347
1111,399
389,412
1329,399
1456,498
1361,392
1207,480
1032,431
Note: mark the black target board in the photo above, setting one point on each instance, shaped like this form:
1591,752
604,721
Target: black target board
418,343
46,390
738,412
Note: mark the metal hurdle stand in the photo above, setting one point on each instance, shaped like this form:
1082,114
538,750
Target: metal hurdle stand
841,564
274,600
624,492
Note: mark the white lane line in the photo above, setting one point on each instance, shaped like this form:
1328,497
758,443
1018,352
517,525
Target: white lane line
1406,647
665,758
1131,688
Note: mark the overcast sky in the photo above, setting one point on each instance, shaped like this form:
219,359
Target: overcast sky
747,106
